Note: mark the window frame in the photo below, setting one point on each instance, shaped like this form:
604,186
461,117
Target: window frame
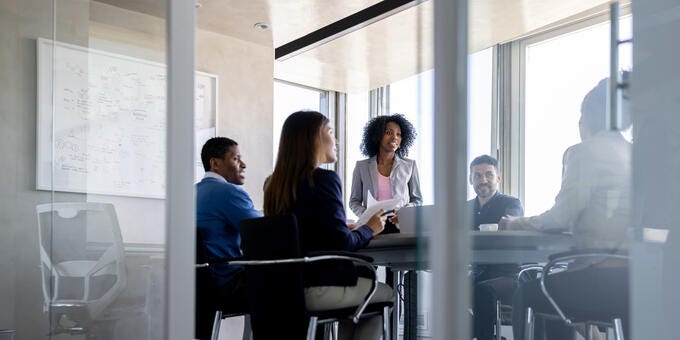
510,61
327,107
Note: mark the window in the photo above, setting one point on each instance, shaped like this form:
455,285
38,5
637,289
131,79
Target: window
414,98
480,101
560,70
289,98
355,119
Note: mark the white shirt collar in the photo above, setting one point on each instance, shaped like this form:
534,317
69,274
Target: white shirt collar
210,174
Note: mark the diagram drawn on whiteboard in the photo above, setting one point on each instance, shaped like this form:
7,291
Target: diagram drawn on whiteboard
102,121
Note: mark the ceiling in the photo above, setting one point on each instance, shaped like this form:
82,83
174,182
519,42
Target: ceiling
386,51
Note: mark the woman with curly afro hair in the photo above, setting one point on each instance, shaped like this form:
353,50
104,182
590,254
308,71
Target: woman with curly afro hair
386,174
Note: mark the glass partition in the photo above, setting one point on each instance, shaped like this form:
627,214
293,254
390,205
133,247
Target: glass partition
102,123
559,199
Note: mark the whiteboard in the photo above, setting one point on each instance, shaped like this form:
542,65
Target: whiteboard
101,121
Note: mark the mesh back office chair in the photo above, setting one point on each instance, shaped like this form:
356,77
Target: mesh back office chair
614,327
82,263
274,276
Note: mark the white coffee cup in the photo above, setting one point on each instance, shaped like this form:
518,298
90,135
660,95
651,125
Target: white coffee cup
488,227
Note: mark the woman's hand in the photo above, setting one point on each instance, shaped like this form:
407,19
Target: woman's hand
394,218
376,222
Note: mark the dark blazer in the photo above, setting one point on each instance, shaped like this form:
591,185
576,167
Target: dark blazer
322,225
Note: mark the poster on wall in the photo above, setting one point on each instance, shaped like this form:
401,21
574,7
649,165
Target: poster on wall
101,121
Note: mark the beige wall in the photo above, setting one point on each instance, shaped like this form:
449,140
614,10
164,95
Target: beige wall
245,71
246,100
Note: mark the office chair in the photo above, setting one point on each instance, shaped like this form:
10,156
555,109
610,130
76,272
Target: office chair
274,273
82,263
503,311
614,326
208,312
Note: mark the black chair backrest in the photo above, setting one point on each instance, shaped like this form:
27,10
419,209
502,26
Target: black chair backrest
275,292
206,293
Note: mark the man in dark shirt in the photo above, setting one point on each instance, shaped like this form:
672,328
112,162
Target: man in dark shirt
491,282
489,205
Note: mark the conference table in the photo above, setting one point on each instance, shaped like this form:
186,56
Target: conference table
407,251
400,251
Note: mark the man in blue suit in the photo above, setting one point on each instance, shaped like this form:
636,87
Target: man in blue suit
221,203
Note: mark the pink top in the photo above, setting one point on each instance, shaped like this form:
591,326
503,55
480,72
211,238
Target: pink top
384,188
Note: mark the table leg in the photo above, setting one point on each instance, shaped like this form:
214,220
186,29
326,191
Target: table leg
411,305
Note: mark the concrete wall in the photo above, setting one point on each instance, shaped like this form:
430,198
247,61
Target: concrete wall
245,72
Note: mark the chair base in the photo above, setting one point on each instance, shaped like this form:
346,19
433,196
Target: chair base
217,322
331,322
614,328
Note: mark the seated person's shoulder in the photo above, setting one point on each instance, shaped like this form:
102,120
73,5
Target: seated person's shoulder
326,179
509,198
221,187
323,174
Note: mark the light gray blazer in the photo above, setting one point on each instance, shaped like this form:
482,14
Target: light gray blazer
403,179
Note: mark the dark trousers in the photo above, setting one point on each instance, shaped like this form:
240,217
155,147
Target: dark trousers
597,294
229,298
486,293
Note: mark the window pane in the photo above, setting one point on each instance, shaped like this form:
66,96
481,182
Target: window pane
413,97
557,79
480,94
289,98
356,118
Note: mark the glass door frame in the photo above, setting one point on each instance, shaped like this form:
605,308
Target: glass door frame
180,203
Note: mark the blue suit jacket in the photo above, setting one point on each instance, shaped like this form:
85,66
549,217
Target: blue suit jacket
220,206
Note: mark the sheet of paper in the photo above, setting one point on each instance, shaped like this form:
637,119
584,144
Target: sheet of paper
373,206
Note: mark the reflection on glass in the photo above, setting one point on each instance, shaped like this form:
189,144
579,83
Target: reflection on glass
85,269
102,223
594,205
559,72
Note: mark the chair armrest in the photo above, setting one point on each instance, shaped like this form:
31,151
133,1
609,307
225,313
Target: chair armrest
362,270
341,253
592,252
320,256
527,268
226,260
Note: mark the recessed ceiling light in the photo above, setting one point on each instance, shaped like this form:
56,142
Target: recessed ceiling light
261,25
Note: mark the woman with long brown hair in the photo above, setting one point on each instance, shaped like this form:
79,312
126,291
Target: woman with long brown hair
298,186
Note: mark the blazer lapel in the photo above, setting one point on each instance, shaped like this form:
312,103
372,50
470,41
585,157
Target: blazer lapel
373,172
394,176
